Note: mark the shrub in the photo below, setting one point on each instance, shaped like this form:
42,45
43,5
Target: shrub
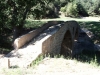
81,10
71,10
91,7
63,9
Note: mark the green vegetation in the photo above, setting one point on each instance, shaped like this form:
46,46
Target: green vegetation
70,9
13,16
6,40
82,8
89,58
37,61
14,13
93,27
33,24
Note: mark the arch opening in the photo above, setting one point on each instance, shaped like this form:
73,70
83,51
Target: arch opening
66,46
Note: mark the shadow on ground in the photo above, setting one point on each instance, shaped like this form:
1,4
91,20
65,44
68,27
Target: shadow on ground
90,55
93,27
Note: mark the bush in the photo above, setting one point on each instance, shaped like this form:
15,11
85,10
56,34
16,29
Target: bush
81,10
91,7
63,9
71,10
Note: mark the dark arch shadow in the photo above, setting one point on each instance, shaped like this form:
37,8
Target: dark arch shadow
76,34
66,46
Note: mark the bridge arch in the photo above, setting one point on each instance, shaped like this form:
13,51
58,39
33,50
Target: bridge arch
67,44
53,38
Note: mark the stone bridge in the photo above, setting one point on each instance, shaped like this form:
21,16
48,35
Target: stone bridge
54,37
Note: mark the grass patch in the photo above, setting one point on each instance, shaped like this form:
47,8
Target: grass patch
91,58
41,57
37,61
33,24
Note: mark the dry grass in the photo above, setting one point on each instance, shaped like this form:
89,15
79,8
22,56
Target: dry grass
56,66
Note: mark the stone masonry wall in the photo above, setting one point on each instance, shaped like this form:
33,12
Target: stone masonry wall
53,43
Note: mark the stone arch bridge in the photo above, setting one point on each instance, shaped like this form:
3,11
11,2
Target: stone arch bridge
54,37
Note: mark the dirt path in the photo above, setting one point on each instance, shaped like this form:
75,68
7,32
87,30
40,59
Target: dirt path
96,19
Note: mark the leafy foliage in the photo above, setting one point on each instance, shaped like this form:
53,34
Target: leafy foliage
93,27
71,10
33,24
82,7
13,14
90,6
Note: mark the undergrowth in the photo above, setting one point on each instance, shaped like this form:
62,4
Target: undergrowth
84,58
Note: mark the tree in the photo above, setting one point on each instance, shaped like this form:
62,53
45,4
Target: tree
97,7
89,7
14,12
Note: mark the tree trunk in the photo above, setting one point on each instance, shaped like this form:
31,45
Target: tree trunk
17,31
